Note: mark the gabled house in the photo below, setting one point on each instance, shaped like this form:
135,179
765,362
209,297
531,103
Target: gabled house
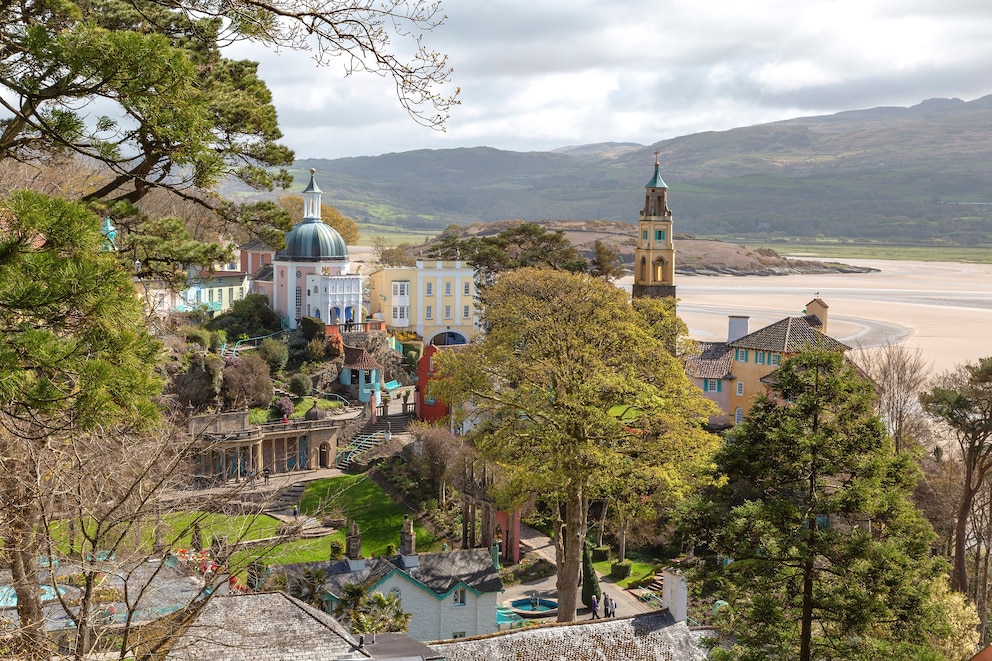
731,373
451,594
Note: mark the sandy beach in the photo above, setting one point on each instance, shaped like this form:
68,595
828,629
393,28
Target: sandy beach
943,308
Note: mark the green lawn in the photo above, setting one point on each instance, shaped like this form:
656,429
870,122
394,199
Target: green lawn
640,571
360,499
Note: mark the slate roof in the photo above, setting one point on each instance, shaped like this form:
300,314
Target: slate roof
790,335
254,245
397,646
438,572
358,358
713,362
654,636
270,625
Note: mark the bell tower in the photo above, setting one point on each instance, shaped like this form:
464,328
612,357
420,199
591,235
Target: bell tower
654,256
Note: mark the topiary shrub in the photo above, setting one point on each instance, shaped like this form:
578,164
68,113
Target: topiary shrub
300,384
390,549
600,553
590,580
620,570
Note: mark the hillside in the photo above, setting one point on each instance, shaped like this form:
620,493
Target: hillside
896,175
693,255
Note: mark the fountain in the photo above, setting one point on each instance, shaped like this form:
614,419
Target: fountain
533,606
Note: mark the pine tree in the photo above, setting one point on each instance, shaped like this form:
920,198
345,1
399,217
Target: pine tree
827,556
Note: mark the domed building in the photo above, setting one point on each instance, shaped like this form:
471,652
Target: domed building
311,276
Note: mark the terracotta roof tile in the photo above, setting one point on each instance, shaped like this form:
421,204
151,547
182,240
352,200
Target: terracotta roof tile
358,358
713,362
790,335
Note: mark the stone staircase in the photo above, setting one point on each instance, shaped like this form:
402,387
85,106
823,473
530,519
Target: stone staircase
372,435
286,498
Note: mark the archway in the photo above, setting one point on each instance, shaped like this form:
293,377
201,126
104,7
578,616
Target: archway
447,338
324,455
659,270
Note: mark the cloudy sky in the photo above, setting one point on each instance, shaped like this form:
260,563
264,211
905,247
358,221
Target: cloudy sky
541,74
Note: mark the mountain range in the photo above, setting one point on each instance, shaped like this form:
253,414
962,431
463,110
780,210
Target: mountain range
917,175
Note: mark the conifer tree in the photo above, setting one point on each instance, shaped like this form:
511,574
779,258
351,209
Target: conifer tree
815,543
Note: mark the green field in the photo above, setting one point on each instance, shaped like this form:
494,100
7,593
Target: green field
640,572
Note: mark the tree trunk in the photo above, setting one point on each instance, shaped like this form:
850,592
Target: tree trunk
602,522
622,550
959,575
576,507
22,547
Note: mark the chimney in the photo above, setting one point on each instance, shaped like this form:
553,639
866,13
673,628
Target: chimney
408,543
819,308
737,327
353,547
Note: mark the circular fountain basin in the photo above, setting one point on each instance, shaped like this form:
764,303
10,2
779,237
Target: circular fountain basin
528,607
8,598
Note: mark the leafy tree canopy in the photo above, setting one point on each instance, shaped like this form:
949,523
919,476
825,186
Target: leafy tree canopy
568,386
140,90
346,227
828,558
524,245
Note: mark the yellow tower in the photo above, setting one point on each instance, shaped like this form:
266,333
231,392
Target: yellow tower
654,256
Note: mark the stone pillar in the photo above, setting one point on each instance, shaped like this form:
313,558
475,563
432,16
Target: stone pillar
353,542
408,538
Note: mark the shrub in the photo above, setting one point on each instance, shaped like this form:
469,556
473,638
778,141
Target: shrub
316,350
217,339
620,570
246,382
274,352
337,549
600,553
312,329
283,407
200,336
390,549
300,384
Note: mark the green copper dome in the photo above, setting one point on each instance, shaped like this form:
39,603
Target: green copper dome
313,241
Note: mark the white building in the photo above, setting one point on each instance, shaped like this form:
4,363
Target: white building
311,276
451,594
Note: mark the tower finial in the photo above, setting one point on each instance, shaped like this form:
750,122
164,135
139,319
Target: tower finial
656,161
314,170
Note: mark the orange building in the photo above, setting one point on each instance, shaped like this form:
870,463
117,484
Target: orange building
731,373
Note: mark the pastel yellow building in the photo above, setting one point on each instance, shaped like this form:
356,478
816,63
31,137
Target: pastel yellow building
434,299
731,373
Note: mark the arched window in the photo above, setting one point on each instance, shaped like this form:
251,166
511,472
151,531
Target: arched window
644,268
738,416
659,269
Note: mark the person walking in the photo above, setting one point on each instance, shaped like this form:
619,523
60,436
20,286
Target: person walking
594,607
613,608
606,606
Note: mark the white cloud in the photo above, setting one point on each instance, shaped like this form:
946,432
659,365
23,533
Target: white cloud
538,75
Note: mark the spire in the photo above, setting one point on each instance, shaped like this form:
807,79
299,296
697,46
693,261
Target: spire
311,199
656,180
